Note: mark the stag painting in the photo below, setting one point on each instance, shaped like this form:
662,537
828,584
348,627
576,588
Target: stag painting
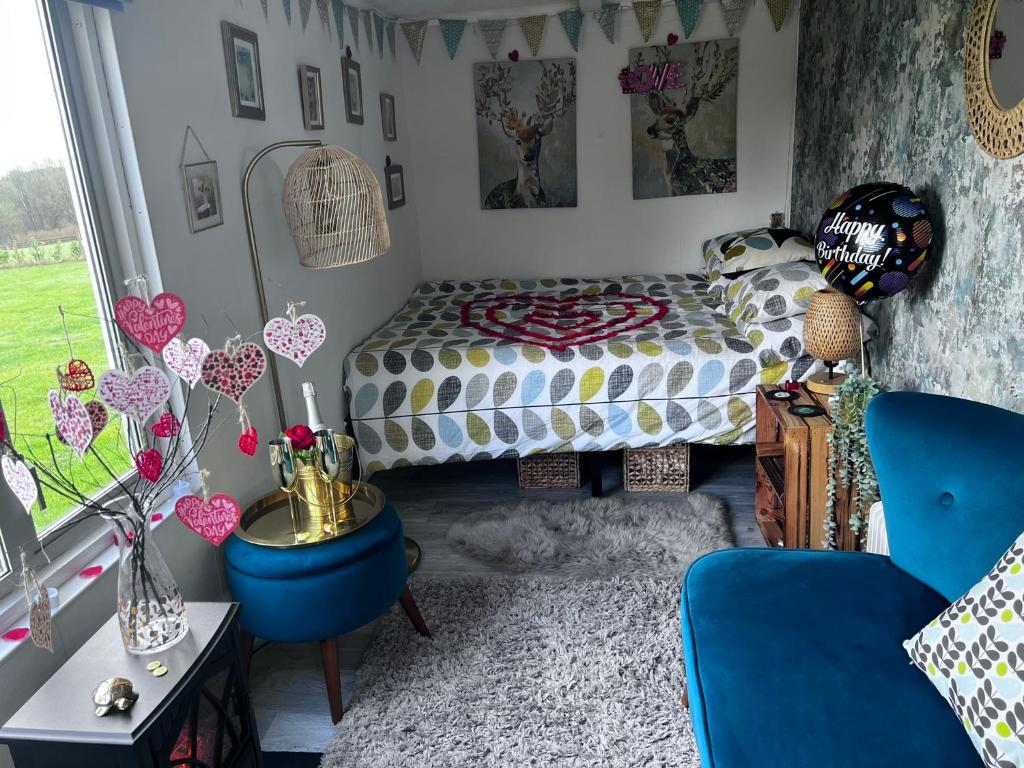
526,125
684,139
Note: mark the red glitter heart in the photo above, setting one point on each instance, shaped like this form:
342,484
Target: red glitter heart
77,378
248,441
91,572
149,464
513,56
20,633
673,38
168,426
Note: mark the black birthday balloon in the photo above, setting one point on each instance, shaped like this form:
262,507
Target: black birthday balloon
873,240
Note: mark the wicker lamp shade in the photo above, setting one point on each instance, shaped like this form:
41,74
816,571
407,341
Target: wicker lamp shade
832,327
334,208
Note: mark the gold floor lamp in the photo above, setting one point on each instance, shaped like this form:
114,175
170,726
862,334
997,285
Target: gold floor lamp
335,211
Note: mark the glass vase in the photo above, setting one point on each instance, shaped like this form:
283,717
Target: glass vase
149,605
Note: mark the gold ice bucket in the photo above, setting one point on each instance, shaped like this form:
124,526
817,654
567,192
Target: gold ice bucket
328,503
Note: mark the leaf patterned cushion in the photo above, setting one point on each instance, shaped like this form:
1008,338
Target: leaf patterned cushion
973,653
749,249
772,293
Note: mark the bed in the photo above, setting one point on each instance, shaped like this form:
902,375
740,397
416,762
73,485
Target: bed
508,368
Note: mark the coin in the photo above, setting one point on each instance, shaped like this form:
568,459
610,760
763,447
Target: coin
160,671
153,665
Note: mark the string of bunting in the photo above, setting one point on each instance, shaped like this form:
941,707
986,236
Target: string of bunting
304,8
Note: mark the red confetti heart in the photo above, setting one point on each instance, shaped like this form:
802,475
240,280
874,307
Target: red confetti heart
149,464
673,38
152,324
513,56
15,635
91,572
248,441
157,517
232,375
168,426
77,378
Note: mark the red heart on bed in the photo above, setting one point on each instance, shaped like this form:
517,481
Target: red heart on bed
558,322
513,56
673,38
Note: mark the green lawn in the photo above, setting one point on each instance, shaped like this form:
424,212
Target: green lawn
32,345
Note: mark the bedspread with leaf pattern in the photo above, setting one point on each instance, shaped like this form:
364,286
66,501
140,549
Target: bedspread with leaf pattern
506,368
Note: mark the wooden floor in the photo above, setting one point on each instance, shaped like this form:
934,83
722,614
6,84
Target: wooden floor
287,682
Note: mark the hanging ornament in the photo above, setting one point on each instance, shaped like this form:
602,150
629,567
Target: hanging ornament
378,28
40,612
149,463
389,27
168,426
367,24
186,358
492,31
513,56
533,30
72,421
138,394
97,417
151,324
451,33
20,480
233,370
212,517
304,8
248,441
415,32
607,17
734,12
572,23
339,21
353,23
325,13
287,5
76,377
294,337
647,12
779,10
689,14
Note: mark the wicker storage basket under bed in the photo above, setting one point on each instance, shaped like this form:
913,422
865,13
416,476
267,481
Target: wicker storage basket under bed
656,469
549,470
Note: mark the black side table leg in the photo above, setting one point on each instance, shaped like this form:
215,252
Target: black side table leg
595,465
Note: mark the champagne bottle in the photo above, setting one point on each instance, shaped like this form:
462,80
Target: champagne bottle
313,419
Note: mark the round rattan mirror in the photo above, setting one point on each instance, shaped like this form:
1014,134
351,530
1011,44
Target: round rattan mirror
999,129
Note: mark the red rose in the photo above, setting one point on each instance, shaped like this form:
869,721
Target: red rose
301,436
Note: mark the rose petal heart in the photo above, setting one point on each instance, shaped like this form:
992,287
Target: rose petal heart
139,395
77,378
296,341
248,441
673,38
149,463
513,56
186,358
19,479
168,426
97,416
232,375
72,421
152,325
214,520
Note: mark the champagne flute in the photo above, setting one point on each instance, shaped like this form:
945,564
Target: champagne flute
286,473
325,455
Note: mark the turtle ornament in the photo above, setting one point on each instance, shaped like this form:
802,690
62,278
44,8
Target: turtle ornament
115,693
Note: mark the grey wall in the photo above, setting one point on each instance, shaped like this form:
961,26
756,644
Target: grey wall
880,96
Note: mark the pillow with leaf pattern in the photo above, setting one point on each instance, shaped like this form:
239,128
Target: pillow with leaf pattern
771,293
973,653
752,248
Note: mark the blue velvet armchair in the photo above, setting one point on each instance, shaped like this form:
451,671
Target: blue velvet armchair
794,658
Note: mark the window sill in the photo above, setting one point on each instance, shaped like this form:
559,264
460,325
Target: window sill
72,574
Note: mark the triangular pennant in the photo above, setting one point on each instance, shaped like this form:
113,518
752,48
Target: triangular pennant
353,23
778,9
266,13
339,20
378,27
287,5
572,23
533,30
647,12
689,13
304,8
607,18
734,11
492,31
414,32
325,13
368,28
389,27
451,31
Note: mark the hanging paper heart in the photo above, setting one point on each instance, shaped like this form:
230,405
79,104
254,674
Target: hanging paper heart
97,416
149,463
295,340
77,378
19,479
233,374
72,421
40,613
168,426
152,325
139,395
186,358
248,441
214,520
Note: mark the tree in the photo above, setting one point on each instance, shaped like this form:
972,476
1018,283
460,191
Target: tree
39,197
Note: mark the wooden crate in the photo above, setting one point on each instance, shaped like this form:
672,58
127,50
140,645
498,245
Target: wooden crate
549,470
656,469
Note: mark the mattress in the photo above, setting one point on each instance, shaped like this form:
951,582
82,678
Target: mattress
507,368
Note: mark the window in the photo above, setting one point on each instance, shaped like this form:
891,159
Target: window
56,269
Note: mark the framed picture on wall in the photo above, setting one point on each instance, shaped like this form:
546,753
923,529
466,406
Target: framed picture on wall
245,80
387,117
352,79
395,178
312,98
202,195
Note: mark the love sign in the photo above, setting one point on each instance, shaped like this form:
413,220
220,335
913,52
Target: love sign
213,519
152,325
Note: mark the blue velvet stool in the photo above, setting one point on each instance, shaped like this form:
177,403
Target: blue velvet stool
321,591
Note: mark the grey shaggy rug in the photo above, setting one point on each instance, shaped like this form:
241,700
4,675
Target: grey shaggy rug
597,536
523,671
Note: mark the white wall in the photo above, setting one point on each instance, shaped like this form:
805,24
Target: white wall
608,233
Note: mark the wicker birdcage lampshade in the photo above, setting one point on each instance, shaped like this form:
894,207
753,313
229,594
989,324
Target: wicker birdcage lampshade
334,208
831,334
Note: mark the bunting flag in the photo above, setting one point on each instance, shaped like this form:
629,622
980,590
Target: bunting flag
533,31
110,5
734,11
266,13
572,23
287,5
353,23
414,32
378,27
325,13
304,8
689,14
647,12
389,27
606,20
451,31
492,31
368,28
339,21
778,9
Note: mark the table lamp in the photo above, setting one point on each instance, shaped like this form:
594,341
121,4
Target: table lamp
831,333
